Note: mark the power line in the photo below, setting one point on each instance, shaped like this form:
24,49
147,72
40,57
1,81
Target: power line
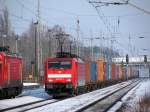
139,8
18,17
19,28
83,15
63,11
31,11
109,3
22,18
23,6
97,4
101,17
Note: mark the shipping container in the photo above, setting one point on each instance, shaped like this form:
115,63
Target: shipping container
100,70
106,71
116,72
112,71
81,79
119,71
87,71
124,74
109,71
93,71
131,71
144,72
128,72
135,72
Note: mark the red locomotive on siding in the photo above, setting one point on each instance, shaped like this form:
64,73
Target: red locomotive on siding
10,73
64,76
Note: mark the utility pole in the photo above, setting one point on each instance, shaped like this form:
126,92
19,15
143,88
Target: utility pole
130,45
35,51
71,47
17,38
92,56
37,42
49,50
78,36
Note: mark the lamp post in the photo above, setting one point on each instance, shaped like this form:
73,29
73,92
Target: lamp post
36,50
49,50
17,38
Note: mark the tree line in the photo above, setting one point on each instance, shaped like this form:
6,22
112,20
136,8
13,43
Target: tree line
49,43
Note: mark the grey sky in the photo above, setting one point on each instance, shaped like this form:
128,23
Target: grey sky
65,13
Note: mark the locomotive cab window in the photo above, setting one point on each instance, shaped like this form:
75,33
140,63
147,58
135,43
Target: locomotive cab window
59,64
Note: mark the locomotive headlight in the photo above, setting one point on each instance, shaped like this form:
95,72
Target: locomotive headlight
68,80
50,80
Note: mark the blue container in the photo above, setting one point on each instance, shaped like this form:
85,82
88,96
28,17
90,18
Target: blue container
106,71
109,71
124,73
93,71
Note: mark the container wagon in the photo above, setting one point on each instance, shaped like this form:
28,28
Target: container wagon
67,75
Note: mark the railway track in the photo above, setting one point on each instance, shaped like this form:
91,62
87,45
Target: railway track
107,102
109,94
82,102
29,106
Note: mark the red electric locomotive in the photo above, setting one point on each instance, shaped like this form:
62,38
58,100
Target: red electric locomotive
10,73
64,76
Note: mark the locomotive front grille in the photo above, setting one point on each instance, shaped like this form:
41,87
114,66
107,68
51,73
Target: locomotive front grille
59,86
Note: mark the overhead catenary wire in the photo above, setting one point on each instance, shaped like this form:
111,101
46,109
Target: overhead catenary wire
30,11
102,16
21,17
139,8
104,19
47,9
18,17
23,6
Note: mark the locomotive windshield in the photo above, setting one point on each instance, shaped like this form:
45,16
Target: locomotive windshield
59,64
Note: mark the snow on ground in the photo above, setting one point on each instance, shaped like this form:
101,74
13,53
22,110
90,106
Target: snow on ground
75,103
116,107
27,97
40,92
30,84
130,100
17,101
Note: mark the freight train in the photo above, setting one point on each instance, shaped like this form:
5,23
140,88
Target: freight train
10,73
70,75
